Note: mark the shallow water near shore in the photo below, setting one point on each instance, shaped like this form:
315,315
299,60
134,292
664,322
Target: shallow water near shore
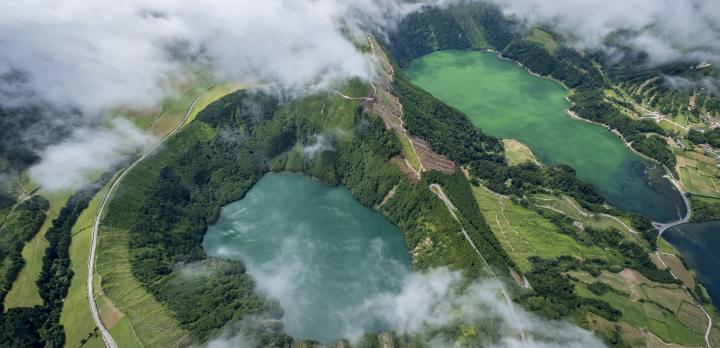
505,101
316,250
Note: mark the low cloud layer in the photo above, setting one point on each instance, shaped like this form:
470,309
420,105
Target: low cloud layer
98,54
430,301
668,30
93,56
70,163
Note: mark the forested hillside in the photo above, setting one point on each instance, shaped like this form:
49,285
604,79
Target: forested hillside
426,31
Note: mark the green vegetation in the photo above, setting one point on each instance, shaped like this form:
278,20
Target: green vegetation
75,316
698,173
20,225
664,309
24,291
525,233
544,38
39,325
517,153
704,208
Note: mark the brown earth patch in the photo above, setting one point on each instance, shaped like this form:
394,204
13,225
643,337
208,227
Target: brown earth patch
430,159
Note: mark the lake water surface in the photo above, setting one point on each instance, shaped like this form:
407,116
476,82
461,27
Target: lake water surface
505,101
700,246
316,250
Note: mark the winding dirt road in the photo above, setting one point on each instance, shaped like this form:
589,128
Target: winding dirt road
107,338
437,190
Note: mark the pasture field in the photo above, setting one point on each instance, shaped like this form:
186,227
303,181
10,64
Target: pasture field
24,291
409,152
516,152
569,207
141,317
666,310
542,37
75,316
524,233
698,173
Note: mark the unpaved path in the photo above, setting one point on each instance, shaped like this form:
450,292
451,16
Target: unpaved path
437,190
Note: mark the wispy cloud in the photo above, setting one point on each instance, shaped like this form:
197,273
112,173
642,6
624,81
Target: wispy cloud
668,30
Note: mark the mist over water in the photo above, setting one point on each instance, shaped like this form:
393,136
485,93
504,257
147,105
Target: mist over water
316,250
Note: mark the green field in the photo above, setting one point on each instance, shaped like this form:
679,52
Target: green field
409,152
699,174
143,317
649,315
207,97
75,317
543,38
571,208
524,233
516,152
24,291
665,309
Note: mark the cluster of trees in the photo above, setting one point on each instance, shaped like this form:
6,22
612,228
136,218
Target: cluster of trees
426,31
553,293
39,326
417,36
458,190
451,133
214,161
704,209
19,227
669,87
178,192
710,137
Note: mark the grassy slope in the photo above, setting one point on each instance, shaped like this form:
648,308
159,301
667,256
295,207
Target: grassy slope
543,38
698,173
145,316
524,233
649,314
516,152
24,292
75,316
207,97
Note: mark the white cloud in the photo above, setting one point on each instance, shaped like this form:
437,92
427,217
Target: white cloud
99,54
95,55
68,165
667,29
319,144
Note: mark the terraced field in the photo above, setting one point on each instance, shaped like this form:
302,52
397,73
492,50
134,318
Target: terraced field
666,310
524,233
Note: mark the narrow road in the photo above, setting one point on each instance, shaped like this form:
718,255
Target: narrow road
662,227
437,189
107,338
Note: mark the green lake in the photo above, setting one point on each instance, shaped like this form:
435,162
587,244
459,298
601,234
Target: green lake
505,101
316,250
